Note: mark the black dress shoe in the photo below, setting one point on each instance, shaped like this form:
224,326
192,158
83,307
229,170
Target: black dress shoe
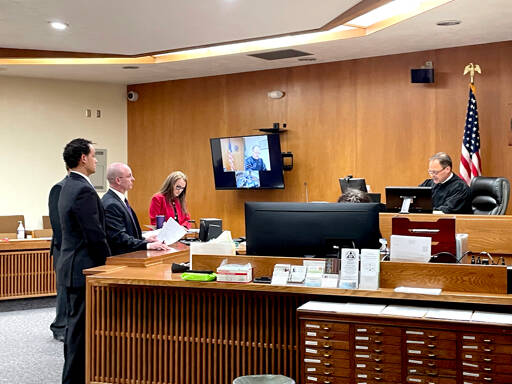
58,337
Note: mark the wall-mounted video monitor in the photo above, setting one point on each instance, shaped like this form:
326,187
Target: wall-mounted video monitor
247,162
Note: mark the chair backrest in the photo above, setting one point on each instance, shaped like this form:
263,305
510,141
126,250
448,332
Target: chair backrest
42,233
46,222
9,224
490,195
441,231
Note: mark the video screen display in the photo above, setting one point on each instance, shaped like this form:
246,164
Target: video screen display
247,162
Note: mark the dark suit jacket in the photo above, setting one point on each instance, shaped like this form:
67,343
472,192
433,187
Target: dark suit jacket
82,219
123,230
53,209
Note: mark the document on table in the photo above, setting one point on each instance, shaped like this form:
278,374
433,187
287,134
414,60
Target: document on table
421,291
410,248
322,306
171,232
404,310
492,317
449,314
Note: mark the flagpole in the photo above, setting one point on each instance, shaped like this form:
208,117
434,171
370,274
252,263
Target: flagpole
470,161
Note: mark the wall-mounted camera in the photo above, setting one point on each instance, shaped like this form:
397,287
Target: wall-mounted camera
132,96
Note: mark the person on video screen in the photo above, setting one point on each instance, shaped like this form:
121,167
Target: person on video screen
255,162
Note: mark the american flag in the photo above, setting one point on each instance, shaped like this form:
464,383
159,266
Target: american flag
470,162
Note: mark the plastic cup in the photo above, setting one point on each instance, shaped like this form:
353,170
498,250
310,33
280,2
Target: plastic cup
160,221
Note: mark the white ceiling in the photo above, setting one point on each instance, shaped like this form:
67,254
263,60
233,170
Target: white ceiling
134,27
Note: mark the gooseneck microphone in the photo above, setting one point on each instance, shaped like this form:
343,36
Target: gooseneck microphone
306,189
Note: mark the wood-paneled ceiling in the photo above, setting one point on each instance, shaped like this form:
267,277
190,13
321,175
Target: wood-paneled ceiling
130,30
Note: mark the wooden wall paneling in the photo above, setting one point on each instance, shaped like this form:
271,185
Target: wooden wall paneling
322,107
395,121
362,117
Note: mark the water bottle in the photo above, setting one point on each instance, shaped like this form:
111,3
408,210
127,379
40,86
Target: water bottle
20,232
384,250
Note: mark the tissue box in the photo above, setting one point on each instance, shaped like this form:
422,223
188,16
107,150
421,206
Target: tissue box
234,273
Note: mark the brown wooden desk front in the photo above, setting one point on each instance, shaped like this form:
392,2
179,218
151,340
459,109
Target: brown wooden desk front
146,325
491,234
26,269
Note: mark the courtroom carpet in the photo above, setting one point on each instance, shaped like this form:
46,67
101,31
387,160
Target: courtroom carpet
28,352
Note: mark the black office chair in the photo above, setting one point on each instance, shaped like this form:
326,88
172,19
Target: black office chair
490,195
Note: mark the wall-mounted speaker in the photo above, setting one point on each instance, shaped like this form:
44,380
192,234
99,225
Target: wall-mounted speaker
422,75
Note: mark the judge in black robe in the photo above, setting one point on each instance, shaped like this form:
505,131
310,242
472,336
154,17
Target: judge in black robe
450,194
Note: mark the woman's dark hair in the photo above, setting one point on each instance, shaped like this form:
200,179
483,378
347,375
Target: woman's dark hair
354,196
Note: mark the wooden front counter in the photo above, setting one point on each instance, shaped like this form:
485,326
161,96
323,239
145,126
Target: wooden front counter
146,325
491,234
26,269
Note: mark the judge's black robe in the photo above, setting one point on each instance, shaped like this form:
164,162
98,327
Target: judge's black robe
452,196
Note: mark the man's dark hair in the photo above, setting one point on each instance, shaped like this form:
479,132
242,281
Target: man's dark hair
74,151
443,158
354,196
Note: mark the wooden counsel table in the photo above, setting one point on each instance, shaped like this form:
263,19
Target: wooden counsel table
26,269
145,325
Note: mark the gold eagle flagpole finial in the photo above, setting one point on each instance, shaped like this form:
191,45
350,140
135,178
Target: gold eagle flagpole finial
471,69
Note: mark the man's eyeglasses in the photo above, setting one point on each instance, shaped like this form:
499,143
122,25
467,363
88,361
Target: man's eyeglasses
434,172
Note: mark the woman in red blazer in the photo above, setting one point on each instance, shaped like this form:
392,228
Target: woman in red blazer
170,201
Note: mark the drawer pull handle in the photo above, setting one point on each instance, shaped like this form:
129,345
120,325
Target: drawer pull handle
378,341
432,373
327,346
487,341
327,382
327,355
431,336
378,369
431,355
488,378
327,373
327,329
378,332
488,369
431,346
327,337
487,359
378,378
487,349
327,364
431,364
377,359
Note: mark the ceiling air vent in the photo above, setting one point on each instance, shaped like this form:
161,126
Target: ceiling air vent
282,54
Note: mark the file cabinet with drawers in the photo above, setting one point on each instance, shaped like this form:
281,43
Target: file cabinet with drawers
367,349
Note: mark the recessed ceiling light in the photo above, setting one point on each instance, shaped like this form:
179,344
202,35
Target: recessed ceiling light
130,67
59,25
447,23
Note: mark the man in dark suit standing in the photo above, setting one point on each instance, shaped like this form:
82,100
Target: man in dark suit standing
123,229
84,245
58,326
